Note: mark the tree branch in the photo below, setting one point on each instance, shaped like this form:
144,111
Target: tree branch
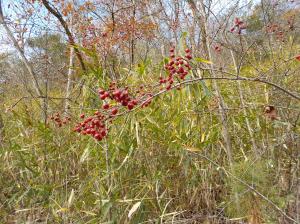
21,52
71,39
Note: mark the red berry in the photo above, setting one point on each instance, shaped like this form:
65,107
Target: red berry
82,116
187,50
117,93
188,56
98,137
114,111
181,70
105,106
101,91
124,103
298,57
130,106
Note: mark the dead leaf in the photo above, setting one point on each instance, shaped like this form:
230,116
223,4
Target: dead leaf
134,209
270,112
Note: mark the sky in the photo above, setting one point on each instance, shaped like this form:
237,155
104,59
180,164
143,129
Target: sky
219,6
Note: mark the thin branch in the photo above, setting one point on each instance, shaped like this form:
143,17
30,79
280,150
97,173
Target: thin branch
198,79
21,52
64,24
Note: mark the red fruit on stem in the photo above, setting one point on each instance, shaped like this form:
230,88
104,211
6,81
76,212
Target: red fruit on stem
298,57
187,50
124,103
114,111
130,106
105,106
189,57
82,116
101,91
98,137
135,102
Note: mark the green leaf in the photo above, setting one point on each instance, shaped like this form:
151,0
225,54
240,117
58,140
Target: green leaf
202,60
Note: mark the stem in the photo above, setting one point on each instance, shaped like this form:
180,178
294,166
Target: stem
244,107
69,79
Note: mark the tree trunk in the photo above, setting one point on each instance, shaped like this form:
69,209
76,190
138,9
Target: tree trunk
69,80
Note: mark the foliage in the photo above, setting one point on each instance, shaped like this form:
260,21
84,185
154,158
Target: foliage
168,162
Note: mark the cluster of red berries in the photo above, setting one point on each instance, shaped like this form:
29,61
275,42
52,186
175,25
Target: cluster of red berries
238,26
60,121
115,98
178,67
93,126
120,95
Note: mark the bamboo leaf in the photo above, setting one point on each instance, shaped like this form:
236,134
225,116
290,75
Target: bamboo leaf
202,60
